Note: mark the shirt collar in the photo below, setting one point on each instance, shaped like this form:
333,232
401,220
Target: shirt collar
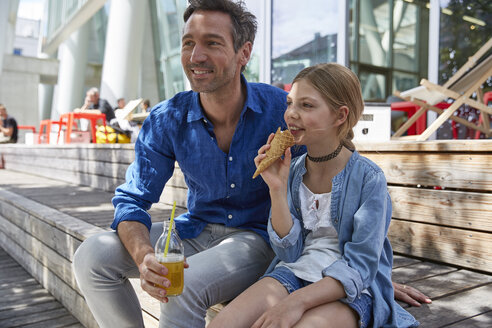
196,112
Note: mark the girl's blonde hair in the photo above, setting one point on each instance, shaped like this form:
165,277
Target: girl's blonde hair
339,86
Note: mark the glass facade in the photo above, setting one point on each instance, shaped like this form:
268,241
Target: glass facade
61,12
167,23
302,35
387,39
388,45
464,27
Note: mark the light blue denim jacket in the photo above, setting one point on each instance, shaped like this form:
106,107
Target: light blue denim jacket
361,214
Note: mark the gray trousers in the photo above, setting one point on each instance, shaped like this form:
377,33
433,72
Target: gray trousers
223,262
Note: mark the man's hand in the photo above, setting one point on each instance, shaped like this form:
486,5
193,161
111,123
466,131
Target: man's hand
410,295
151,277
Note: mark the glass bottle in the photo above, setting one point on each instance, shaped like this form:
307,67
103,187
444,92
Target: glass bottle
174,261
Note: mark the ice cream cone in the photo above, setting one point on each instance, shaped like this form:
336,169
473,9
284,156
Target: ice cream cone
281,141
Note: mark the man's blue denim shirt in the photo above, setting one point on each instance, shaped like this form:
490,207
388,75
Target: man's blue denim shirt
220,185
361,214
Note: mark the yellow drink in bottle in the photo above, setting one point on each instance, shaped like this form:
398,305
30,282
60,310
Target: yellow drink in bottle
175,266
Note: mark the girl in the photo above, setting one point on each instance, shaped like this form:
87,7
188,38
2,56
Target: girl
329,220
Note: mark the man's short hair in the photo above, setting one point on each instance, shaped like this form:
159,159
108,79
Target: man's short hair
93,91
3,107
243,22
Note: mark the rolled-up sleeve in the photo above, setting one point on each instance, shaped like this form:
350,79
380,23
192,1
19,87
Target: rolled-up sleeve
360,256
146,176
288,248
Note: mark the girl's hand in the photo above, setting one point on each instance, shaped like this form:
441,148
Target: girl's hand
276,175
283,315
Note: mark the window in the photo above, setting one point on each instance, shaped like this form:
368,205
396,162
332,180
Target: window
388,45
302,36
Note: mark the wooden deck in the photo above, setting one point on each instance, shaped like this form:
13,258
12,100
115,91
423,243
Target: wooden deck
25,303
461,298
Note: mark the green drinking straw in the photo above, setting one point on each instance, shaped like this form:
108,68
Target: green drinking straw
169,230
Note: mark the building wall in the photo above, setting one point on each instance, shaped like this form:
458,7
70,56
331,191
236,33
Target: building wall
19,83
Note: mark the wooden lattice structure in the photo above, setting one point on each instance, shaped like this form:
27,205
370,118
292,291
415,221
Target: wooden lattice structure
460,87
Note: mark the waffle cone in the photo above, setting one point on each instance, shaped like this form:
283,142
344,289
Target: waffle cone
281,141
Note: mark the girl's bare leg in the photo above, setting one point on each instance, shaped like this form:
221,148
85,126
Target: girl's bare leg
329,315
245,309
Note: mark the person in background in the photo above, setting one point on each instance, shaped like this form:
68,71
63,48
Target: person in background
145,106
93,103
8,127
120,104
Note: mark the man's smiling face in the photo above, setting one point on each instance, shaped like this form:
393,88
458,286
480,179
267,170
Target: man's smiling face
207,51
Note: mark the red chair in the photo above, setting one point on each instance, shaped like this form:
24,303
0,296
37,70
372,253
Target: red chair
487,97
68,119
410,108
45,129
27,127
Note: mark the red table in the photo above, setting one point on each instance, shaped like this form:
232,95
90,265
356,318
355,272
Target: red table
68,119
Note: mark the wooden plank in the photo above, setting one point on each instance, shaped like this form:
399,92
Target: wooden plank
468,210
48,258
480,321
110,169
63,243
15,291
418,271
52,319
92,180
454,308
469,249
444,284
25,310
33,294
70,225
462,171
150,321
398,146
121,153
20,282
69,298
11,280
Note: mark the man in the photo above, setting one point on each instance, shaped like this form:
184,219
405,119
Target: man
8,127
222,123
96,104
120,103
213,132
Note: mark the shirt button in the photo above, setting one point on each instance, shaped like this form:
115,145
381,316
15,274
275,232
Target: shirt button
230,158
205,121
229,216
233,185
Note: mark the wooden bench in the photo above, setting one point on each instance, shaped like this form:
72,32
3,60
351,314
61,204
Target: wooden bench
441,193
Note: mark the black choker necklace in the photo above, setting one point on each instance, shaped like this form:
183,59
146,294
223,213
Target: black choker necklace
326,157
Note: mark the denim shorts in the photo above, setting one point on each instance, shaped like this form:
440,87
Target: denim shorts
362,305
